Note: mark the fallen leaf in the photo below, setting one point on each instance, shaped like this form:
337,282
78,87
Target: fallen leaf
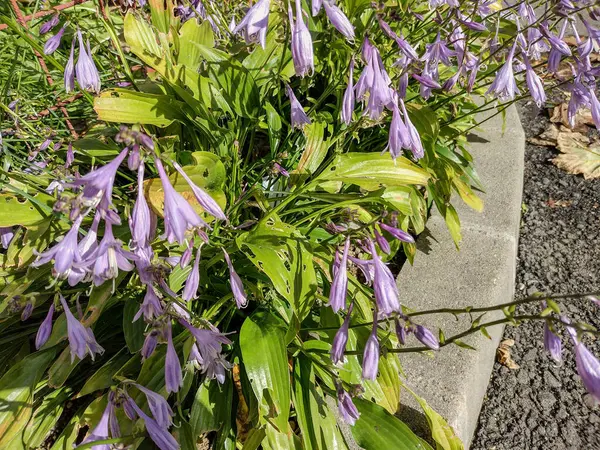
558,203
548,138
583,118
578,155
503,354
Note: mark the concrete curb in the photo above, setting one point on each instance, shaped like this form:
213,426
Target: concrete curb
482,273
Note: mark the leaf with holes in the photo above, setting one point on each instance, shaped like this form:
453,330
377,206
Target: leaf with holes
282,253
26,212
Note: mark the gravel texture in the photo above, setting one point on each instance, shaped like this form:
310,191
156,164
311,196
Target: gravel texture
542,405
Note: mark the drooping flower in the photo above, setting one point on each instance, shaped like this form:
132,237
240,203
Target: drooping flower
69,76
193,280
316,6
237,287
45,329
27,310
173,377
302,46
150,307
139,221
339,286
349,97
400,331
416,146
588,366
85,69
65,253
54,42
86,246
70,156
338,19
370,362
298,117
159,435
534,83
101,431
382,242
255,23
160,409
504,85
150,343
398,137
595,107
426,337
186,257
397,233
205,200
6,236
50,24
347,410
552,344
179,216
81,339
386,291
438,51
338,346
404,46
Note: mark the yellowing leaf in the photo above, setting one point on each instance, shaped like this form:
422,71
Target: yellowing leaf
578,156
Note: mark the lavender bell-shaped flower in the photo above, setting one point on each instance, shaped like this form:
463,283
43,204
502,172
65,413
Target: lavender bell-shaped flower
595,107
69,76
386,292
70,156
54,42
151,307
179,216
377,83
298,117
193,280
255,23
315,6
504,85
399,234
6,236
85,69
349,97
552,344
101,431
205,200
86,247
81,339
160,409
400,332
50,24
27,310
339,286
347,410
338,346
150,343
45,329
173,377
159,435
139,222
534,83
302,47
370,363
382,242
426,337
398,137
338,19
237,288
416,146
65,253
588,366
186,257
404,46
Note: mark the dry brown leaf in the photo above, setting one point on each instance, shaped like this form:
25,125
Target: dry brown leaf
578,155
547,138
503,354
559,203
582,118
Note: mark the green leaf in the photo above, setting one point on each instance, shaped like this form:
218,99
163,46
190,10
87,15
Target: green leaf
306,404
467,194
212,406
237,86
45,417
125,106
453,224
61,368
26,213
16,393
399,198
274,125
103,377
280,251
373,171
133,331
262,343
254,438
377,429
442,433
315,149
425,121
191,35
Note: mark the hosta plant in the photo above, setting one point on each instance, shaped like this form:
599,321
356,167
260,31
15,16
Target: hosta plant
211,256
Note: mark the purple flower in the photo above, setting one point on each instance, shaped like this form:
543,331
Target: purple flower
374,80
98,186
386,291
150,307
316,6
302,47
552,344
69,76
85,69
173,377
403,85
405,47
255,23
349,98
45,329
6,236
366,267
556,42
101,431
580,97
27,310
416,145
139,221
298,116
205,200
397,233
134,158
50,24
53,43
339,286
192,281
186,257
346,408
70,156
160,435
595,107
65,253
338,347
400,332
236,284
504,86
179,216
85,247
398,137
81,339
278,168
338,19
384,245
108,258
371,353
161,411
149,344
426,337
534,83
438,51
588,366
